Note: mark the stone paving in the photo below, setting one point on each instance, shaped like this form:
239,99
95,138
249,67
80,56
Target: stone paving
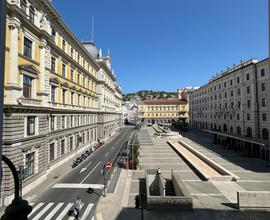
209,199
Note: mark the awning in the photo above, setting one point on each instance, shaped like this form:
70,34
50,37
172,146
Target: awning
241,138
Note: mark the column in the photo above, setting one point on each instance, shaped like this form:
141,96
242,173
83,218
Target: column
12,86
42,69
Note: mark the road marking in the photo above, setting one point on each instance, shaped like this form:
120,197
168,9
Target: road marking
106,154
90,172
87,211
73,217
77,186
83,169
35,209
65,211
43,211
52,213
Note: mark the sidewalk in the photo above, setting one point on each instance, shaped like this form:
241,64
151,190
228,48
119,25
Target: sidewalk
115,205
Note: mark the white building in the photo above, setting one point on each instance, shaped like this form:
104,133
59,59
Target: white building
235,106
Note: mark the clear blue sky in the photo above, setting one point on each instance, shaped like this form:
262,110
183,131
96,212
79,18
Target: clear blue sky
168,44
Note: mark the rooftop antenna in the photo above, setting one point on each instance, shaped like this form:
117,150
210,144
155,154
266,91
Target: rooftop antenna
92,35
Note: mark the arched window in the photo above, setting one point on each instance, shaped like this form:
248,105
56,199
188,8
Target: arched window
249,132
238,129
31,14
225,127
265,134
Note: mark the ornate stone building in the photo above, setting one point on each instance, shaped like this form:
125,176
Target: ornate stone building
55,101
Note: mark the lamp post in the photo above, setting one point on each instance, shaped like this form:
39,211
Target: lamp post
19,209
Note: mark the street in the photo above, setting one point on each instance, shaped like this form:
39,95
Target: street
59,199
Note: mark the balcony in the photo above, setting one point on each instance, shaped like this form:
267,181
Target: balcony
29,101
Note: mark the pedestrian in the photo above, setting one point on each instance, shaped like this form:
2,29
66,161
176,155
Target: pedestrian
77,207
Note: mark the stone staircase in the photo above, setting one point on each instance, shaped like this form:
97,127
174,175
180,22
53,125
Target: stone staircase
169,190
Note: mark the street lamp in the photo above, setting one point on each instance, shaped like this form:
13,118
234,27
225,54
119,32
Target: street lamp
19,209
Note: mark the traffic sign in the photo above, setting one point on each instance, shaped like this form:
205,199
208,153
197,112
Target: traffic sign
108,165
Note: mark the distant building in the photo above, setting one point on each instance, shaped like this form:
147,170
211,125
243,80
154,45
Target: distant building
162,111
235,106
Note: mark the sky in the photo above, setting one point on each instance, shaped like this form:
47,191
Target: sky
170,44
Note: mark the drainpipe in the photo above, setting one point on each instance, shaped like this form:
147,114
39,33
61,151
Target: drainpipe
3,12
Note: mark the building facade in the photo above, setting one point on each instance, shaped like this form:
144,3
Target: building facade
235,106
162,111
52,95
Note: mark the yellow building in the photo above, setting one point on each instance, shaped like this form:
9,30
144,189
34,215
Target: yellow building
162,111
51,102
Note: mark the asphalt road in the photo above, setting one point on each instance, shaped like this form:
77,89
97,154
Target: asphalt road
56,202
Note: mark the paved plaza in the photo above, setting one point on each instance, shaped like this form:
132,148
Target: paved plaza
211,200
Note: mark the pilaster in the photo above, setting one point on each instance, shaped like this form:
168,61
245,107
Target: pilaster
13,89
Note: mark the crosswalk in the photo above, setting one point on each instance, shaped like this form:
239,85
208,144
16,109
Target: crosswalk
58,211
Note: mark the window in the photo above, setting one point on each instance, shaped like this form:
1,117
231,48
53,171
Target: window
54,35
225,95
63,122
27,86
53,64
78,58
262,72
51,150
231,82
53,93
71,121
238,130
52,123
79,75
248,89
225,84
27,48
263,86
31,14
237,116
63,96
248,103
29,163
239,104
247,76
30,125
71,52
62,146
79,97
72,98
64,70
249,132
23,5
63,45
265,134
232,93
71,143
248,117
264,117
238,79
72,75
239,91
263,102
232,104
78,140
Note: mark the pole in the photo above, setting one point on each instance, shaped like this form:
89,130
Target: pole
3,12
141,202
